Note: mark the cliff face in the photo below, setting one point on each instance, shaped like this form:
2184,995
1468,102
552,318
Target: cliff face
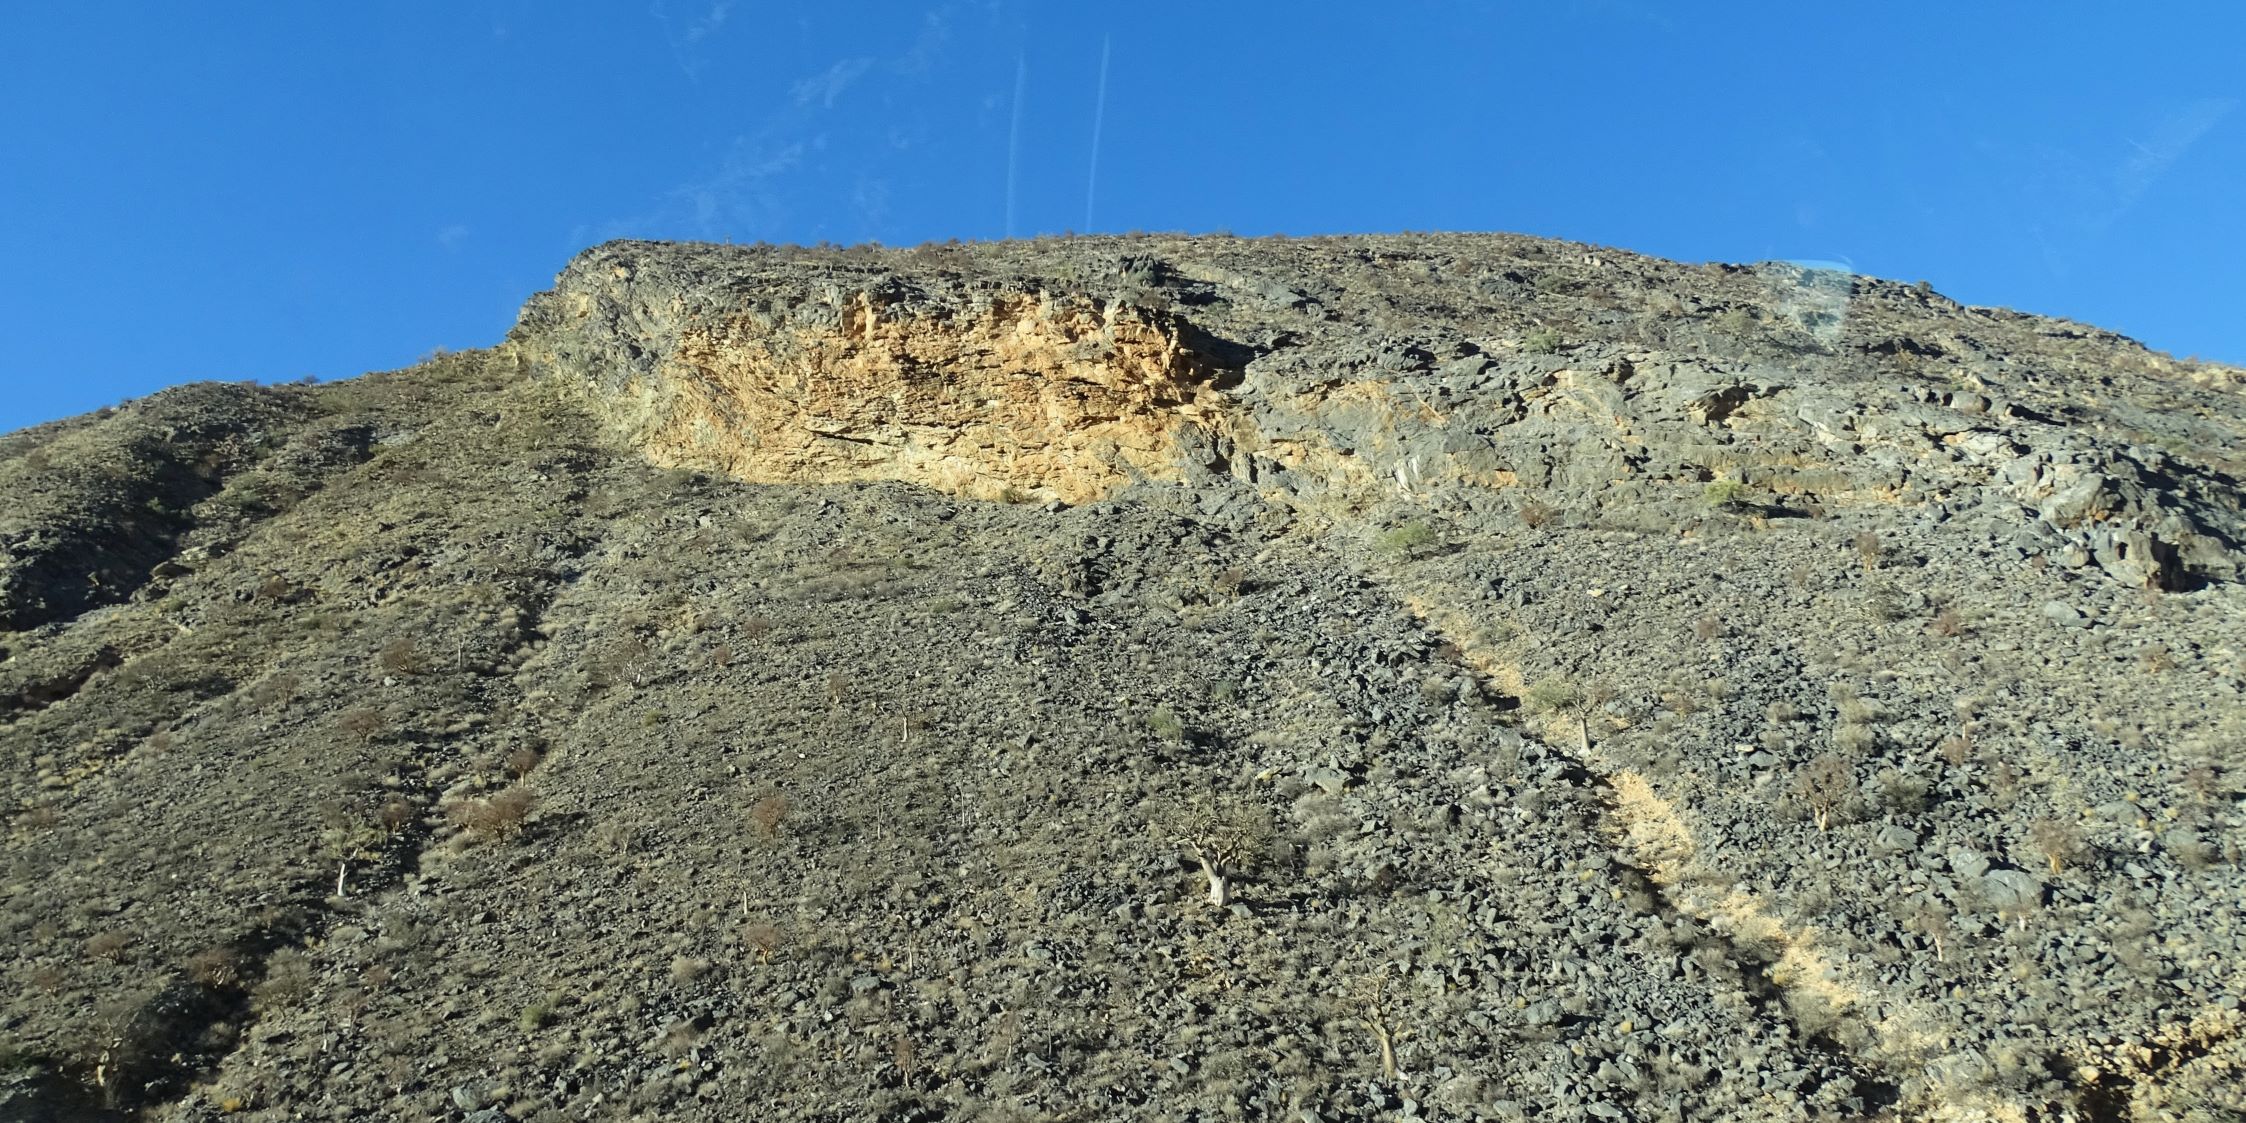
1455,677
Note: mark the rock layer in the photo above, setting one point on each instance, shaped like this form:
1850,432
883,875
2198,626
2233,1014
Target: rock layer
1791,391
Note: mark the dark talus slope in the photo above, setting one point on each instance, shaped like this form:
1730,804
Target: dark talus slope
794,684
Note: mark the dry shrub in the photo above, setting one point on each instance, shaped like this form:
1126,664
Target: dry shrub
1534,515
1868,547
275,689
769,813
395,815
1826,785
2058,840
1948,623
523,759
216,968
907,1057
401,656
108,946
764,938
288,979
1957,749
496,817
360,722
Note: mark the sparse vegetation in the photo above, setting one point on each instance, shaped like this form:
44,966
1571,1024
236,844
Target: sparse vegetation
287,981
538,1014
1551,696
402,656
360,723
763,938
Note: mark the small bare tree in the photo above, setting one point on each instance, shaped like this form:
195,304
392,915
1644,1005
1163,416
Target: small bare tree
1375,995
1226,838
1554,697
1826,784
1931,924
2058,840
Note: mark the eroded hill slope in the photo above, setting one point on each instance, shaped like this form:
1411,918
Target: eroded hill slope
794,684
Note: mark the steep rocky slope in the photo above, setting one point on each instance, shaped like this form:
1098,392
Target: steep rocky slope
1454,677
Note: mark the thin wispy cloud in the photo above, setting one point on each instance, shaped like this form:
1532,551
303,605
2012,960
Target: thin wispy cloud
1014,135
686,35
821,90
1099,119
710,22
739,195
2083,194
2151,159
870,199
451,236
935,33
747,194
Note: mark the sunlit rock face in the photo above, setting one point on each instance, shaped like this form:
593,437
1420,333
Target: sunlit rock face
1480,373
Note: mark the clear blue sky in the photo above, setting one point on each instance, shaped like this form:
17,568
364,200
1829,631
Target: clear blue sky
285,189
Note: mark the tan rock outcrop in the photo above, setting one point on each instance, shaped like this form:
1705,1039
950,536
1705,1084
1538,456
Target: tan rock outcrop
1024,397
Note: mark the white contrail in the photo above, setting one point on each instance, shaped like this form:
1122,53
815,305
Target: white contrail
1099,118
1014,136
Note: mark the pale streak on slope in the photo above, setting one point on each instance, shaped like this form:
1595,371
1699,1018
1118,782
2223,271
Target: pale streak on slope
1657,837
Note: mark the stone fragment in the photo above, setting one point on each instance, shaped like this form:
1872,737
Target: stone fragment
2011,890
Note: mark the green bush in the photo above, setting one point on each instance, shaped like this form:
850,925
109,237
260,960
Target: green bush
1550,696
1405,539
1724,493
1165,724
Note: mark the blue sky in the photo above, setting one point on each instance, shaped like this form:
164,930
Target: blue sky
277,190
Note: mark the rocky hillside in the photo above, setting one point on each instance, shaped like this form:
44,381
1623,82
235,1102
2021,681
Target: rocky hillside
1447,677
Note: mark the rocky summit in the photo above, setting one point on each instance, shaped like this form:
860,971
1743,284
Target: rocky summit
1449,677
